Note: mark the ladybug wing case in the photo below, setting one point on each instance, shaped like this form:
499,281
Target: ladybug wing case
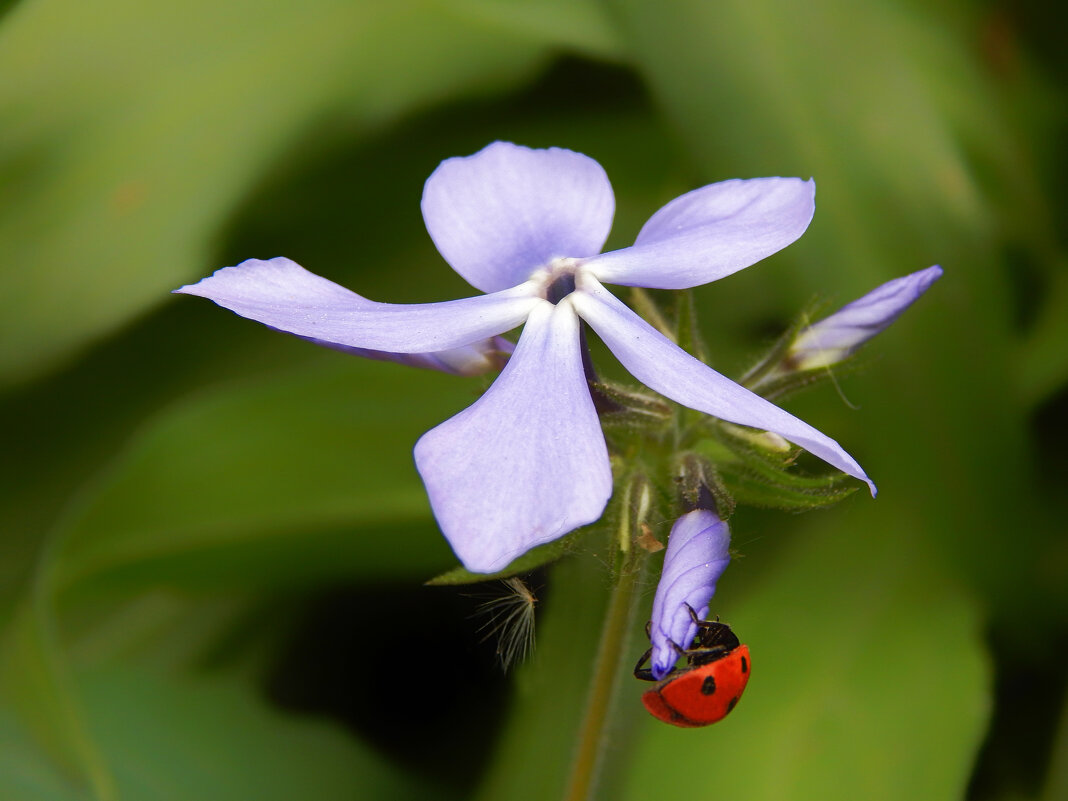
701,695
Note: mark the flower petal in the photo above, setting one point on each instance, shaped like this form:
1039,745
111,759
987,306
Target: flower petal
527,463
711,232
662,366
282,294
834,338
697,554
474,359
507,210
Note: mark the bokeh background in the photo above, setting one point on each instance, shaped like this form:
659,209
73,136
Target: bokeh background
212,537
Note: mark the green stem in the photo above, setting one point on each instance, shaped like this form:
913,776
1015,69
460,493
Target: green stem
607,681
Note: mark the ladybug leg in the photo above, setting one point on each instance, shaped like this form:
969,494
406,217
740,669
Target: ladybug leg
712,637
701,624
645,674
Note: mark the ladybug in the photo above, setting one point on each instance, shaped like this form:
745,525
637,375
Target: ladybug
708,688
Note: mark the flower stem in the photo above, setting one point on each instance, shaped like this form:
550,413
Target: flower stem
607,681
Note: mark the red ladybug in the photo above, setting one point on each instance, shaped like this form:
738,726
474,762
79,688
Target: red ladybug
710,685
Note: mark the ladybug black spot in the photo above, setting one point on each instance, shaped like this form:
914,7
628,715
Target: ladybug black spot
708,686
745,665
734,701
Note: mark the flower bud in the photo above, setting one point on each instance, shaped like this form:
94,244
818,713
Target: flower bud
697,554
835,338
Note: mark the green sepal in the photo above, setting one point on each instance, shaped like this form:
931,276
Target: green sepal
760,478
777,375
643,303
758,378
629,408
687,333
749,444
751,488
756,483
782,384
701,487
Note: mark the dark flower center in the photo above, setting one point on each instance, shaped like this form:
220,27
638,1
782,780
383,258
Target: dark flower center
560,287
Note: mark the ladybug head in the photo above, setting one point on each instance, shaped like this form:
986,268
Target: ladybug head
713,634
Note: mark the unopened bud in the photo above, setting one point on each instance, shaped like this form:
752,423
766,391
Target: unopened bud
835,338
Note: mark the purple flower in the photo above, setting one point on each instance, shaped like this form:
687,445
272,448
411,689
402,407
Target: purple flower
697,554
836,337
527,462
474,359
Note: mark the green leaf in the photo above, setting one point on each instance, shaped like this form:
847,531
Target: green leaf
25,774
37,686
309,475
203,739
755,65
579,25
128,149
271,484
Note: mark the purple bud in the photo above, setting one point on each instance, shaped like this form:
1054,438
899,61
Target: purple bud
697,554
836,337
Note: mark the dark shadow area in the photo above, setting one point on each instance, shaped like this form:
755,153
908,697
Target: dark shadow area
404,669
1049,437
1029,692
1030,655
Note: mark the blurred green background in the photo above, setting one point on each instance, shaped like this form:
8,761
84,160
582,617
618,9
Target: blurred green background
212,537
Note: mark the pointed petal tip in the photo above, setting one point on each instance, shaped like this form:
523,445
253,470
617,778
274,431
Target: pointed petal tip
190,289
921,280
933,273
856,471
194,288
276,266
